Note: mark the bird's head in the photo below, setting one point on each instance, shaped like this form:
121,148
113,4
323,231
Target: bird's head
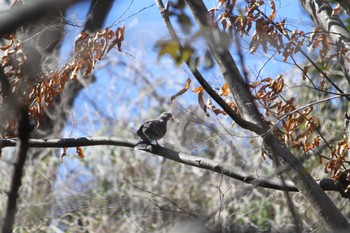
165,116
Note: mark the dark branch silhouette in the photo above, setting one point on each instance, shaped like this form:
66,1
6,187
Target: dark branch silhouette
12,19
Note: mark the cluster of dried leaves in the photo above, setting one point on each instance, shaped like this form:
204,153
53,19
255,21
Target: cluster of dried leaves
298,127
88,50
268,33
205,105
335,166
12,61
79,152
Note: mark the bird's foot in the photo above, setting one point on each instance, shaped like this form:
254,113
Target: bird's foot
146,145
154,142
143,145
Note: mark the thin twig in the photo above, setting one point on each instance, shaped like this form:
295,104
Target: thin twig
165,198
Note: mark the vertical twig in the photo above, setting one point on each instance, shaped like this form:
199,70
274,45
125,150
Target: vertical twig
24,129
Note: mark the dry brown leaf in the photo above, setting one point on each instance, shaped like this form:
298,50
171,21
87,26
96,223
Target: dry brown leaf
336,9
119,37
305,70
224,90
254,43
200,91
80,152
254,84
273,8
216,110
64,153
182,91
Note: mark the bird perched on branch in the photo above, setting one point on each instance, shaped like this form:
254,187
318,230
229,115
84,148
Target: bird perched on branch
155,129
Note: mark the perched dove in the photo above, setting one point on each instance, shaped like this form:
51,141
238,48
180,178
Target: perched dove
154,129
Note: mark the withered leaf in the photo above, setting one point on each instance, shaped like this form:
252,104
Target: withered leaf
336,9
182,91
64,153
224,90
305,70
80,152
119,37
216,110
200,91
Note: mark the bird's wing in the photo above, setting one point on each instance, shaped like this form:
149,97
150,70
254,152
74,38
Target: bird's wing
141,134
154,129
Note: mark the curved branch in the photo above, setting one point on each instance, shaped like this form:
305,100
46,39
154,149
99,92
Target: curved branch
195,161
217,41
179,157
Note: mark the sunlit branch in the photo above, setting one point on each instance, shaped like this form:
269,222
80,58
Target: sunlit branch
183,158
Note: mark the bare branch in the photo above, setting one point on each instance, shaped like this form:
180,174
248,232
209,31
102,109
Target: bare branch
183,158
238,87
181,209
196,161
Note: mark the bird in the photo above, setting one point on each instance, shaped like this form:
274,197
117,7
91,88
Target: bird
155,129
347,127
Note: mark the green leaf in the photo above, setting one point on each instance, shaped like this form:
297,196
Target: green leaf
168,47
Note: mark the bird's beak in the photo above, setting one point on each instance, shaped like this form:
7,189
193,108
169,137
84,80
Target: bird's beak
174,119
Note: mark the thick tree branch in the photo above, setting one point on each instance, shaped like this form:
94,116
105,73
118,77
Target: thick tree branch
12,19
97,14
203,163
183,158
321,14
